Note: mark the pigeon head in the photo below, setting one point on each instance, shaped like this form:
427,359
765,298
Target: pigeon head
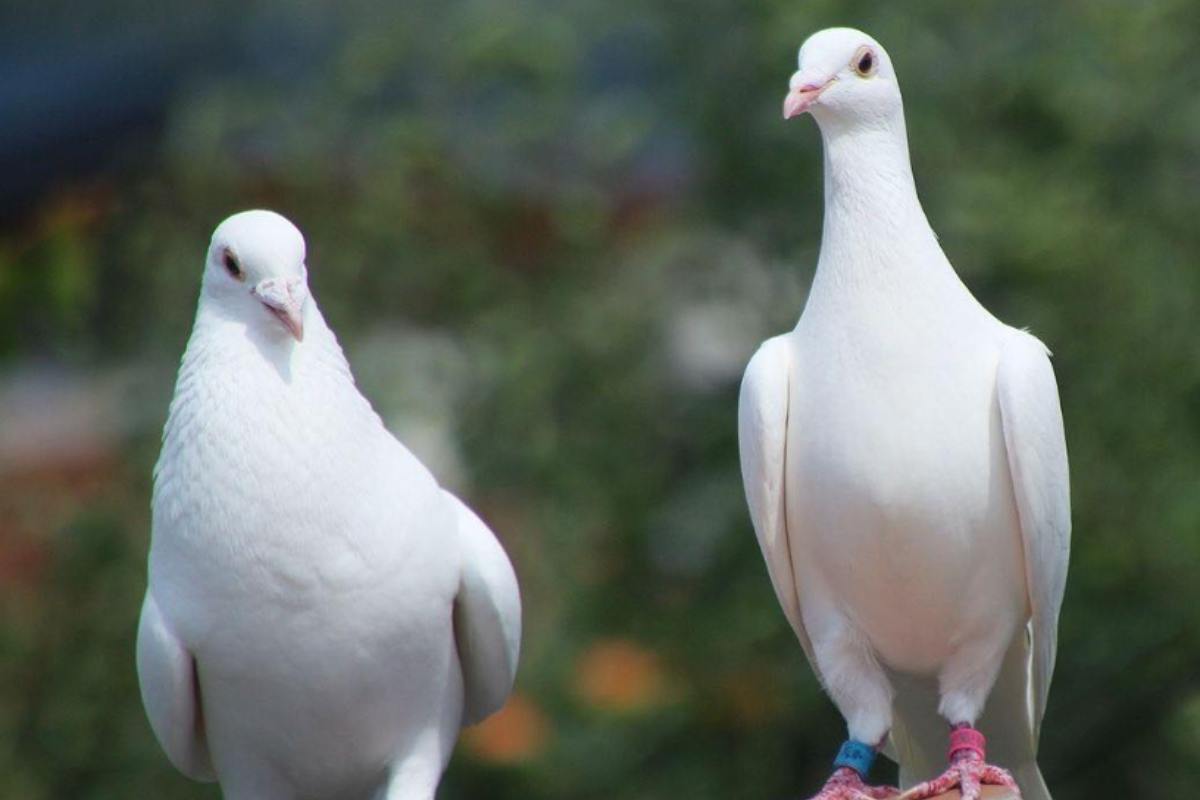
255,272
845,80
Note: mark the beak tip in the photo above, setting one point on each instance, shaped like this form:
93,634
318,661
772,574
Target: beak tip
294,324
291,318
795,104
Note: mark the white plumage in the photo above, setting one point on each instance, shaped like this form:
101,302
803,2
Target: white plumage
904,458
321,617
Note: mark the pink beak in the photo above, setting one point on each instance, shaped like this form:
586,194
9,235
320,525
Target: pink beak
803,93
284,300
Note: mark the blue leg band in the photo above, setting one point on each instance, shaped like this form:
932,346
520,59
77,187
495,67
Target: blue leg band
855,755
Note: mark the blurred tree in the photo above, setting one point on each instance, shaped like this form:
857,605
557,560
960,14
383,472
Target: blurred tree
550,235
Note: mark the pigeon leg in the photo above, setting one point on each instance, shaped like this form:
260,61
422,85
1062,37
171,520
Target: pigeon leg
965,684
861,691
968,771
853,677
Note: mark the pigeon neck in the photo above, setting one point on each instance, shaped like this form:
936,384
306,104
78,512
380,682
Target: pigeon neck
874,225
868,175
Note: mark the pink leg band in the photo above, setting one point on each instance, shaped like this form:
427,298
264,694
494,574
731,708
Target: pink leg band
963,739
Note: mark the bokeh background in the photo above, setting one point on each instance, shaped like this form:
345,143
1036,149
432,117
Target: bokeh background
550,234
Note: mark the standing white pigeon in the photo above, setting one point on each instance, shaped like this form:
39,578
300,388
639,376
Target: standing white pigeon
906,469
321,617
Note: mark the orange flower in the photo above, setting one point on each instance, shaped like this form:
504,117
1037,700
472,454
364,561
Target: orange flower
515,734
619,675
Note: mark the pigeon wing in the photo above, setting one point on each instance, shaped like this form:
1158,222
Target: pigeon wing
1037,460
171,694
762,441
487,617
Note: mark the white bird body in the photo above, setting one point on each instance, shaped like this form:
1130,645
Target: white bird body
311,569
899,499
904,462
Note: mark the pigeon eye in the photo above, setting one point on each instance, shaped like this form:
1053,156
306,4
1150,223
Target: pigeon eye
864,62
232,266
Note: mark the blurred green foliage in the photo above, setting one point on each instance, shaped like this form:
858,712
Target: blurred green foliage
593,212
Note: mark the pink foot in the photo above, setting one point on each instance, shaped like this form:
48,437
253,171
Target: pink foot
969,773
846,784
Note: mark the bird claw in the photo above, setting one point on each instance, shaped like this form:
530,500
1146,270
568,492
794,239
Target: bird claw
969,774
846,784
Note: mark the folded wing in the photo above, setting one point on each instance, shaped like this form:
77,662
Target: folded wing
762,440
1037,460
487,617
171,694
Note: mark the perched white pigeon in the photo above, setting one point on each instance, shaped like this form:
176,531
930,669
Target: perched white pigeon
321,617
906,469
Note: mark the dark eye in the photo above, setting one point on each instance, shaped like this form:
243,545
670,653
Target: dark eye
864,62
232,266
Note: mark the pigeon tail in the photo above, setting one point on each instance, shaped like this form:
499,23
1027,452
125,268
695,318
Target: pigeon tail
1029,778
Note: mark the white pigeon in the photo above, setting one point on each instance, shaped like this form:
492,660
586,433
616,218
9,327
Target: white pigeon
906,469
321,617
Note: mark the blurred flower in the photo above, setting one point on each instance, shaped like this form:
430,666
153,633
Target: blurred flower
515,734
620,676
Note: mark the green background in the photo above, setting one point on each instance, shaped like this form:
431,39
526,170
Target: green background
549,235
